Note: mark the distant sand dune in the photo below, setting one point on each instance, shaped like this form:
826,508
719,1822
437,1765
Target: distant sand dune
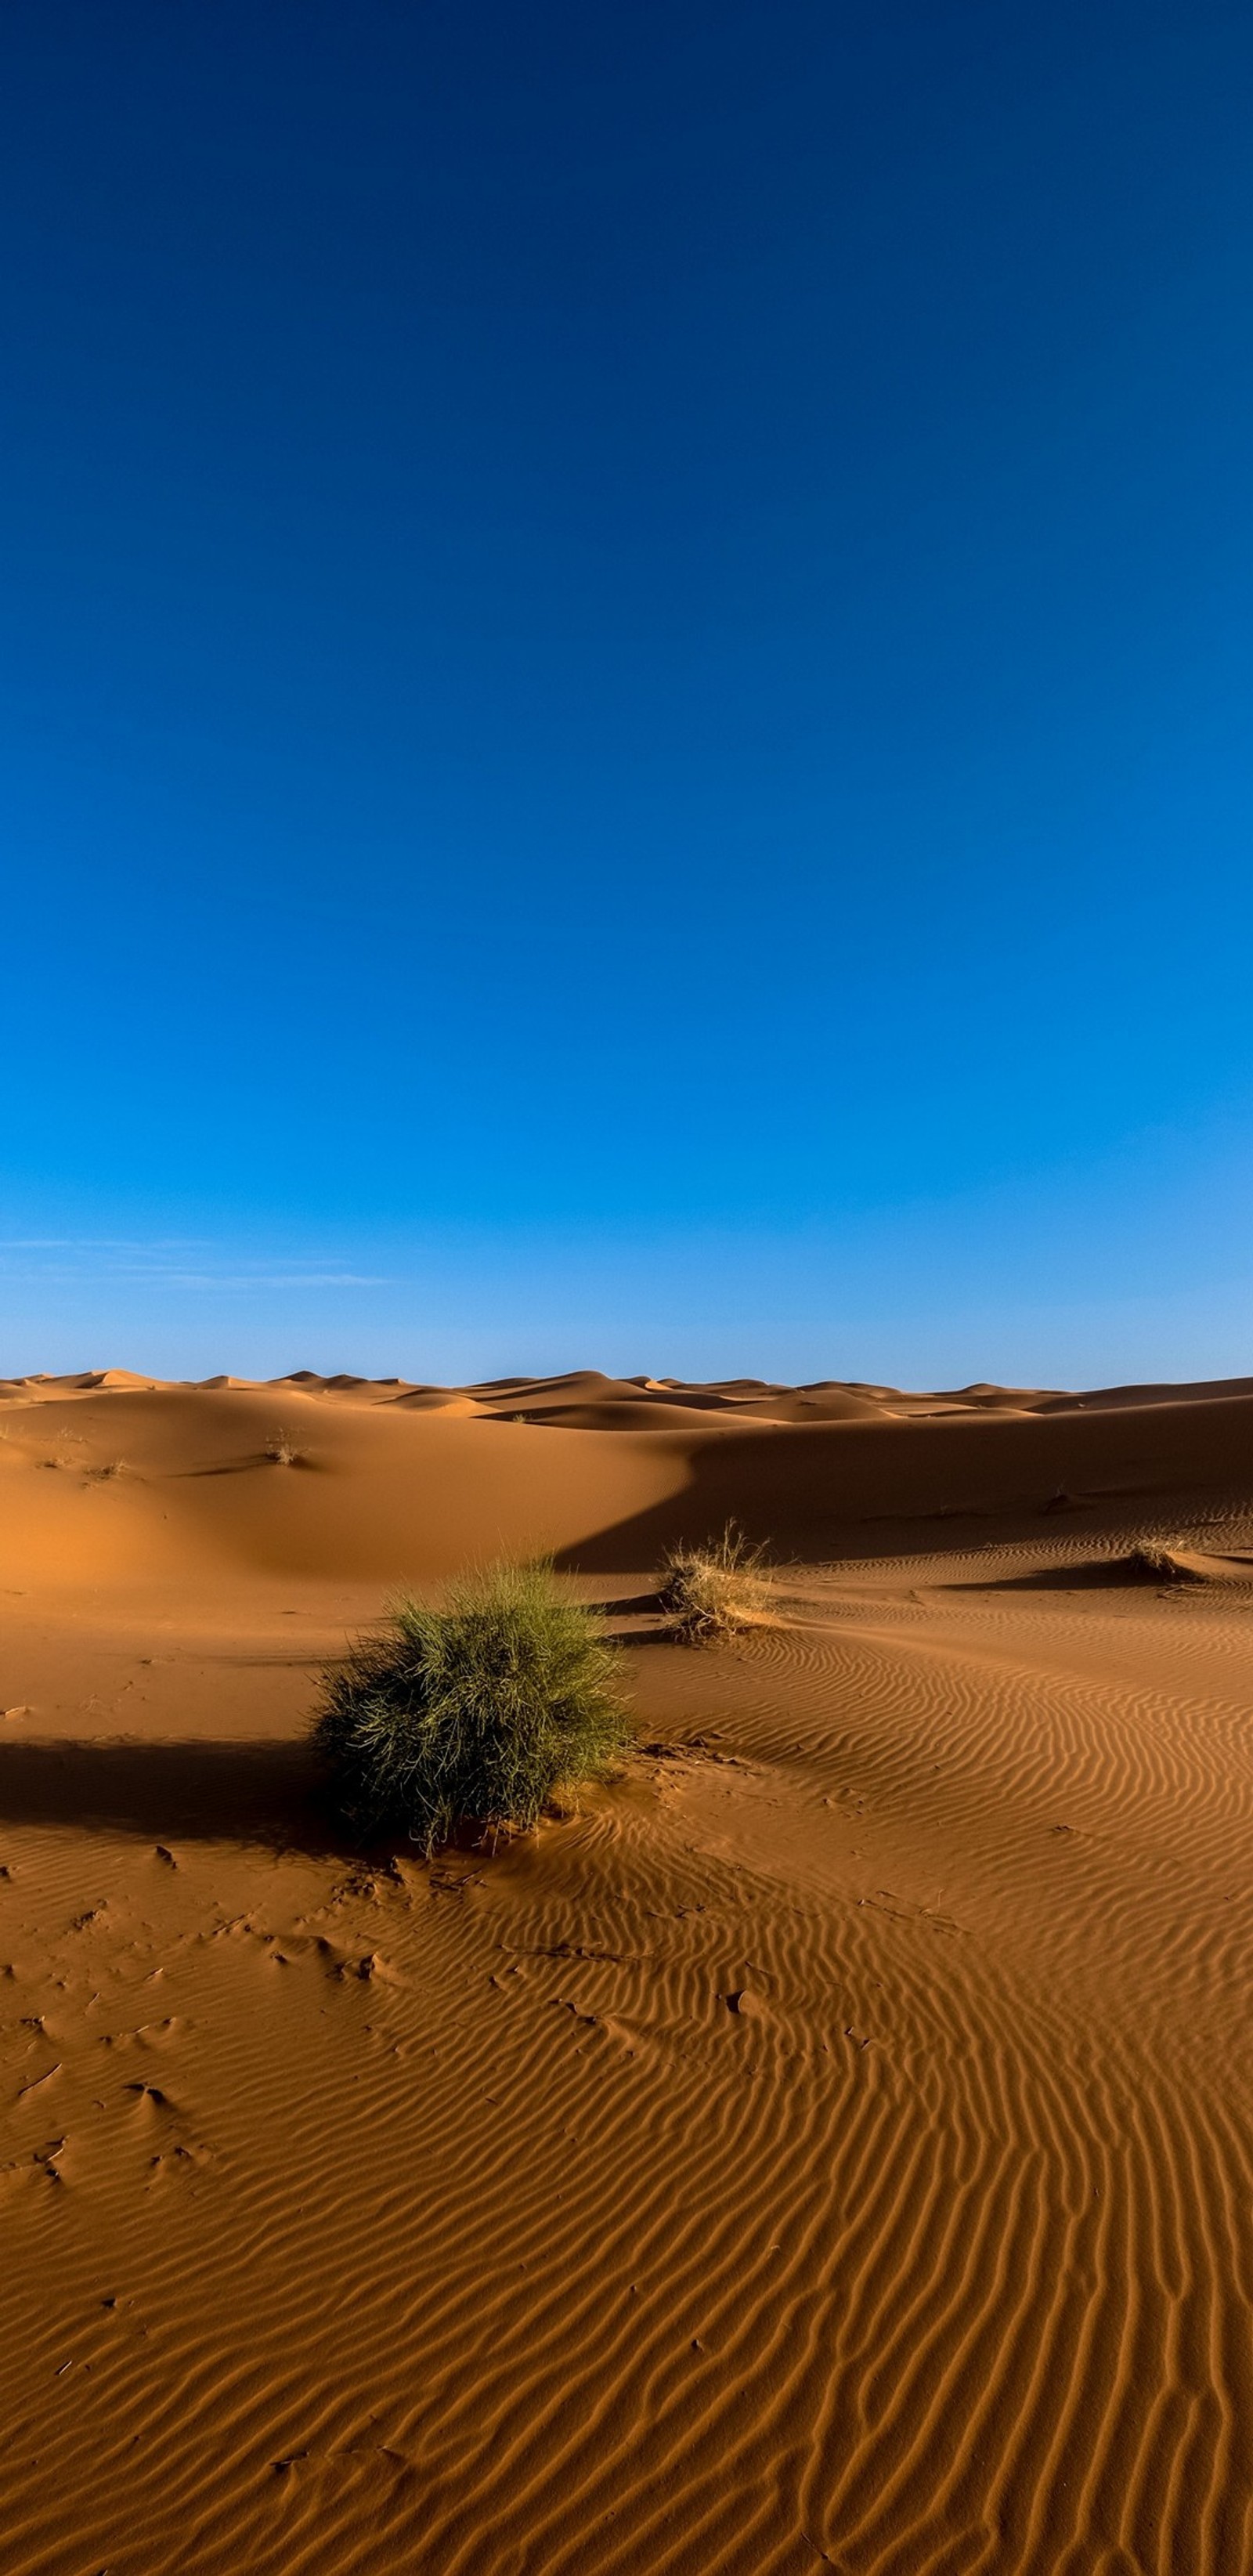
833,2147
416,1480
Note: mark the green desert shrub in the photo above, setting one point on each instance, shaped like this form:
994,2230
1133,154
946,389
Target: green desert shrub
480,1711
710,1592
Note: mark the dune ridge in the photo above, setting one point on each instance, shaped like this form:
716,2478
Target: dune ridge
135,1472
831,2147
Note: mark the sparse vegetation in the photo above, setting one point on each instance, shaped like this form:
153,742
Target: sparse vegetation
716,1590
477,1712
1161,1561
281,1450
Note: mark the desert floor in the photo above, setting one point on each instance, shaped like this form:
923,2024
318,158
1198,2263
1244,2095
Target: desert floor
833,2146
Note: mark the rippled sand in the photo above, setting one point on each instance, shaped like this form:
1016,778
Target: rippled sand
833,2146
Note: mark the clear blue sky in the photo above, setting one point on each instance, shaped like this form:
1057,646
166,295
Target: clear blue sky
626,637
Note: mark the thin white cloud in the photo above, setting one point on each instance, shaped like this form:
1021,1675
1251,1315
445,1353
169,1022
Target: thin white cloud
157,1264
262,1279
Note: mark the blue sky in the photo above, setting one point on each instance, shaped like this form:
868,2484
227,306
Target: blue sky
626,641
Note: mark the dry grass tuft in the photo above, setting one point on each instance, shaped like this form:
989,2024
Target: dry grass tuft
281,1450
716,1590
1161,1562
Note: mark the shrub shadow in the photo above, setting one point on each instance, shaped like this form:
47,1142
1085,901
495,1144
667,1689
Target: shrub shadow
1130,1572
198,1791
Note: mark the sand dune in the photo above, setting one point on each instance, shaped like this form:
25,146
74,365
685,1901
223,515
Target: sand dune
106,1473
833,2147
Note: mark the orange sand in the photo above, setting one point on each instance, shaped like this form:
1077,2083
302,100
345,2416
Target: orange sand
834,2147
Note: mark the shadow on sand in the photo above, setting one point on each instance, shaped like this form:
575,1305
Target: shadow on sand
201,1791
1137,1570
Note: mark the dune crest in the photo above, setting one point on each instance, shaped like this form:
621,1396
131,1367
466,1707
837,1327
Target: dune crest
605,1472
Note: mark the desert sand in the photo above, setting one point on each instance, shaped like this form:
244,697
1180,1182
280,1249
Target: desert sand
831,2146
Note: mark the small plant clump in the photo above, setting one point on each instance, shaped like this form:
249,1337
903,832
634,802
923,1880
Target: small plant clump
281,1450
478,1712
716,1590
1162,1562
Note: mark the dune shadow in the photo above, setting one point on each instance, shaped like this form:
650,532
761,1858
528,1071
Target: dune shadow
198,1791
791,1520
818,1493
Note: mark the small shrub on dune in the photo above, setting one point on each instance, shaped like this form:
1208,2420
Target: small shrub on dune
477,1712
1162,1561
714,1591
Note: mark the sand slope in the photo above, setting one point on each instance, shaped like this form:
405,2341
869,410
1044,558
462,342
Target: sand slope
105,1477
832,2148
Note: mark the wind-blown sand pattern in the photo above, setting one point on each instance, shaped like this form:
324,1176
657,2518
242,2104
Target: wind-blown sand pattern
831,2147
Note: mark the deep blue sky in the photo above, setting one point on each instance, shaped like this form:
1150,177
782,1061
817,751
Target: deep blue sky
626,638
